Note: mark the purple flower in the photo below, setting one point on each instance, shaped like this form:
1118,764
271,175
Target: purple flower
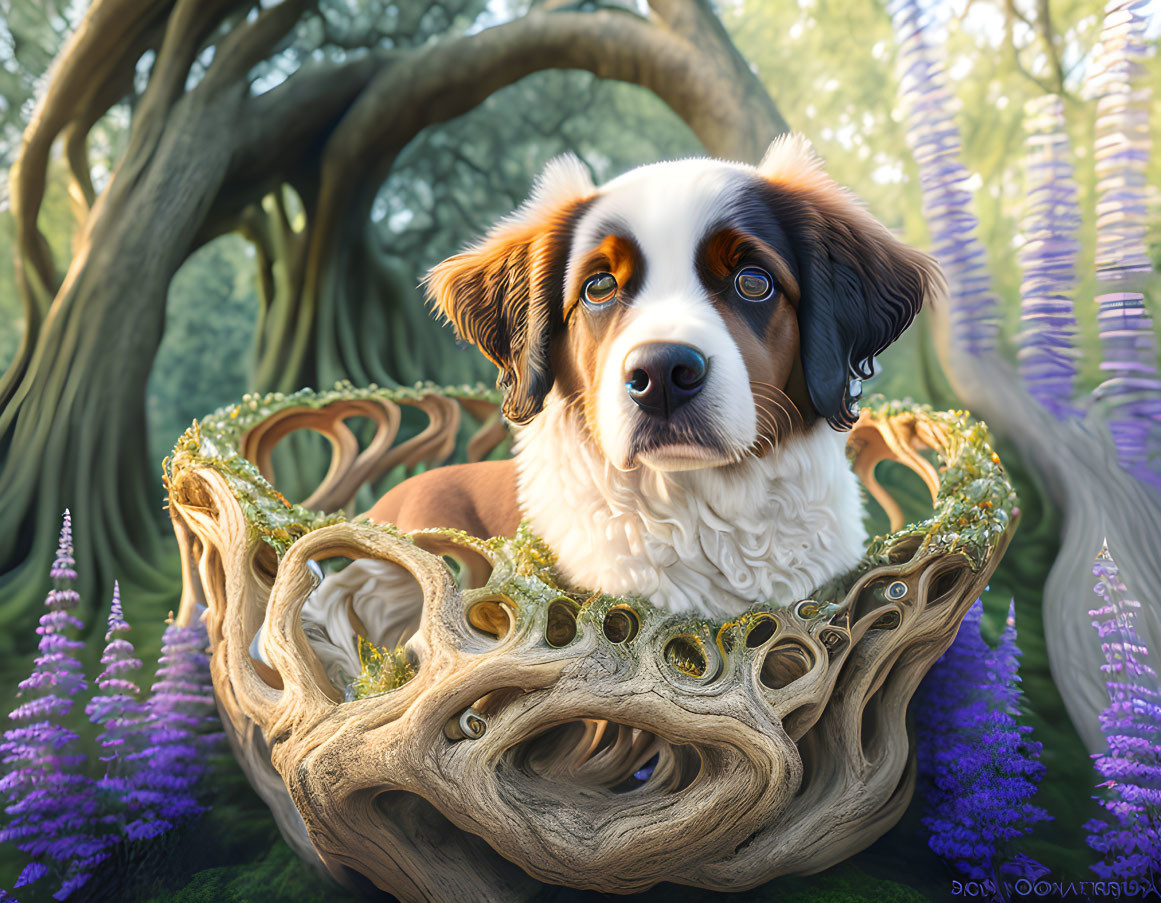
1048,352
934,140
978,768
178,735
1131,391
1131,764
116,707
50,802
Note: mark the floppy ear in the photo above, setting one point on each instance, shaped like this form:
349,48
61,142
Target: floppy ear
506,294
860,286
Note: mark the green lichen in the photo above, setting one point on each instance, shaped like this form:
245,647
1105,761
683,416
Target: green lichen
976,502
381,669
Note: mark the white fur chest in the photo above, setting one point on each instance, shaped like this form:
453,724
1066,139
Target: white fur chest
710,541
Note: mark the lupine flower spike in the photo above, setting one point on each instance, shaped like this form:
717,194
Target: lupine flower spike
978,768
50,801
116,707
1048,351
1131,391
180,712
934,140
1128,836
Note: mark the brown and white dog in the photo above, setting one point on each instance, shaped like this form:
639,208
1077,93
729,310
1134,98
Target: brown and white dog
682,350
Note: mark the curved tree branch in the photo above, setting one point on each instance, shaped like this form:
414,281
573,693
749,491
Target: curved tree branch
248,44
87,59
281,134
1048,36
695,21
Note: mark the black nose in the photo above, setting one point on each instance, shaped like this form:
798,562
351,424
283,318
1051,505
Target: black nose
662,376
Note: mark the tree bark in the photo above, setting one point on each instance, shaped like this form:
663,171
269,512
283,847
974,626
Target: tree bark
74,432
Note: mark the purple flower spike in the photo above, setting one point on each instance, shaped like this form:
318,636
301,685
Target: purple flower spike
1128,836
64,567
1131,391
1048,352
116,707
50,802
934,140
179,735
115,704
978,768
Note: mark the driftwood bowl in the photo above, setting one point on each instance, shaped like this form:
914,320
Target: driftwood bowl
539,734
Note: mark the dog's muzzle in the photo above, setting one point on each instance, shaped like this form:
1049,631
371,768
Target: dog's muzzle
662,376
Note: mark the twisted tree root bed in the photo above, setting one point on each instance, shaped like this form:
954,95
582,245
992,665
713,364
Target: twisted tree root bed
549,735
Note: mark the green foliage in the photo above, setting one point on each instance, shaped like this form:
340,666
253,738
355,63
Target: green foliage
846,883
277,876
31,32
843,884
382,669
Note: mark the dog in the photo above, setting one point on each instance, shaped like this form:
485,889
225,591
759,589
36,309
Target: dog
682,350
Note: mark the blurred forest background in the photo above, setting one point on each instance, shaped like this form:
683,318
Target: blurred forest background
241,314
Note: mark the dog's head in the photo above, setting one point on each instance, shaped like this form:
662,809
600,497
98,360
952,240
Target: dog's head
693,311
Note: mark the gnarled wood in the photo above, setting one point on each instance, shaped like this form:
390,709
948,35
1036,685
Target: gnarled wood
779,738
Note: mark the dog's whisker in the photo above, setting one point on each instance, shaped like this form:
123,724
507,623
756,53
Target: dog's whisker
779,393
776,394
777,399
768,421
771,420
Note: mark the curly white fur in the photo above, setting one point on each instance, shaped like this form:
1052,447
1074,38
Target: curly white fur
710,541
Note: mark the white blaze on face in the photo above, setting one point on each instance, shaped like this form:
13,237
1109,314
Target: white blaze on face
667,209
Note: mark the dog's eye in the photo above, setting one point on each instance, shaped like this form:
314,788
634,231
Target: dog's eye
754,283
600,289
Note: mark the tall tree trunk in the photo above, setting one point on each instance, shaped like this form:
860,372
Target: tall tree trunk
74,432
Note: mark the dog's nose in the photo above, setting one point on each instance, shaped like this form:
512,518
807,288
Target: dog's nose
662,376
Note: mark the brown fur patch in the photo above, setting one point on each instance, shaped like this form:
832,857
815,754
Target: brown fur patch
772,362
728,249
478,498
616,254
579,357
579,354
505,296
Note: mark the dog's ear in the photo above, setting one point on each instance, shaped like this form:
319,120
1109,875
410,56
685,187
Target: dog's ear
506,294
860,286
